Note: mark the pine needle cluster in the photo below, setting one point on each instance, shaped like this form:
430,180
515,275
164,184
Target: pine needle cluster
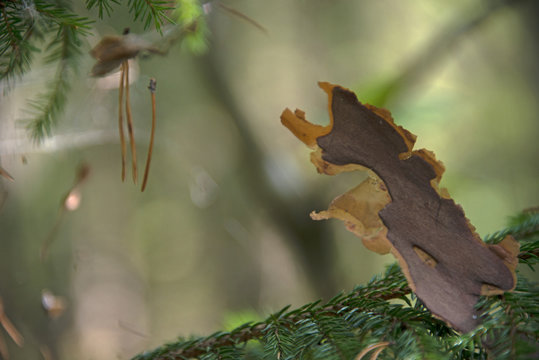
51,31
148,11
384,320
30,27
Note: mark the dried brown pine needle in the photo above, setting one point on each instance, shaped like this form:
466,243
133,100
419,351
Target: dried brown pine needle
13,333
379,348
4,353
130,129
152,88
242,16
120,118
4,173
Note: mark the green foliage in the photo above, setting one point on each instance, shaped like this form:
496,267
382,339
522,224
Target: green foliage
525,228
150,11
385,315
102,5
63,49
23,22
15,31
510,325
235,319
190,14
60,32
52,29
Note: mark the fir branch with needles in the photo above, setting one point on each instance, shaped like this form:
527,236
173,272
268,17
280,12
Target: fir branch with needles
510,323
16,28
382,320
102,6
34,26
148,11
46,107
525,228
52,30
64,50
522,226
24,24
151,11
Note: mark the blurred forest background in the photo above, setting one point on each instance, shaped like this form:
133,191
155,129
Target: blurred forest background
222,233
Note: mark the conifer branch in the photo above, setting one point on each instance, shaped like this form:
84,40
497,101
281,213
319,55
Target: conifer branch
151,11
523,225
102,5
21,24
369,315
15,48
63,49
525,228
281,325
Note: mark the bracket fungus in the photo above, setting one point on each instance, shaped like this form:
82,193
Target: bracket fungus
400,208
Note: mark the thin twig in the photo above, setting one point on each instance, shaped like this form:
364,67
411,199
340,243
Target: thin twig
81,176
4,173
152,87
13,333
371,347
44,252
3,348
244,17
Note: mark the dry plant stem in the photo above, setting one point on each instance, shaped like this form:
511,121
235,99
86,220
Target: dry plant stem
379,346
4,353
3,197
130,122
9,327
45,352
4,173
81,176
121,118
244,17
52,235
150,148
377,352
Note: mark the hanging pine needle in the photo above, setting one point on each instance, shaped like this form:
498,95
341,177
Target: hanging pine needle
243,16
152,88
130,129
114,51
121,120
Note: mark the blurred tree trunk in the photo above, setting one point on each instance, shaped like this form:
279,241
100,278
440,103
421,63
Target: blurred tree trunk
311,241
